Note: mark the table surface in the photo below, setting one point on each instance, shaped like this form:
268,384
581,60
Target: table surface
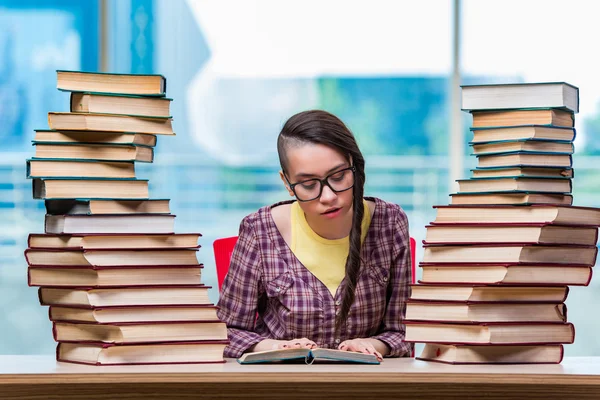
44,369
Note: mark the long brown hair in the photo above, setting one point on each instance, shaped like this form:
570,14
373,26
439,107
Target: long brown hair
321,127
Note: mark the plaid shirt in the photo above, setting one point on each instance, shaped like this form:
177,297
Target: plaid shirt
269,294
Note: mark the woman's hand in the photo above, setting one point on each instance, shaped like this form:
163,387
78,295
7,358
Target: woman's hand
367,346
272,344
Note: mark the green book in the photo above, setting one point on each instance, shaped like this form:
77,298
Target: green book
534,172
515,183
107,206
523,145
131,84
76,167
77,187
55,136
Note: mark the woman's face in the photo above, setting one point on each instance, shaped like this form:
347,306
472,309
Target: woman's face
309,161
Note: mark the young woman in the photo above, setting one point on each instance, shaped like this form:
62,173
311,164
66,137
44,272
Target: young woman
329,269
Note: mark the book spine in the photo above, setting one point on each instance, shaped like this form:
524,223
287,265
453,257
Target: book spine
562,354
40,297
562,309
58,352
26,255
589,278
29,277
572,333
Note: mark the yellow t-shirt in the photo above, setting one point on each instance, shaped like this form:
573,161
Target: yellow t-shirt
324,258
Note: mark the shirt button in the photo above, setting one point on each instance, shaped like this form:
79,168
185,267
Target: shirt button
337,303
278,289
385,278
337,341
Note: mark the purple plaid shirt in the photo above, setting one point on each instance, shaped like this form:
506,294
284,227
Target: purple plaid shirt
269,294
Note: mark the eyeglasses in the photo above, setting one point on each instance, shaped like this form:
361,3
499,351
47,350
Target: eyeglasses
311,189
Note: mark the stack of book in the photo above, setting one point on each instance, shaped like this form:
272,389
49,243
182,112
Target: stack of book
121,286
498,261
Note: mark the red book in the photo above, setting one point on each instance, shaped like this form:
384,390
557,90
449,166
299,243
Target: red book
540,213
114,241
472,293
490,354
515,333
133,314
111,257
509,253
458,233
139,332
125,296
506,274
97,277
478,312
198,352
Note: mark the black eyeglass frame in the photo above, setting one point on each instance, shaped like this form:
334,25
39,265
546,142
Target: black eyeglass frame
324,181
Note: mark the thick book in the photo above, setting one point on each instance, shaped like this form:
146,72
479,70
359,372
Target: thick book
109,223
307,356
524,172
125,296
142,354
111,257
524,159
53,136
547,214
73,188
110,123
110,103
522,132
549,274
509,253
150,332
78,168
126,314
72,168
489,333
520,95
508,118
107,206
485,312
535,145
526,233
108,152
489,294
133,84
490,354
126,277
514,198
515,183
114,241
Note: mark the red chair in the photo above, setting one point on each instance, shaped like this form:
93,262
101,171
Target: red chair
224,248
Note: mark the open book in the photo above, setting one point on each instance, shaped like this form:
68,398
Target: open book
308,355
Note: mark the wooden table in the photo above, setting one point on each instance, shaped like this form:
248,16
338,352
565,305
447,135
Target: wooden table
41,377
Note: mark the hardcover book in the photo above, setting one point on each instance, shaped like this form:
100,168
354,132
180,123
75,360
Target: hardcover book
142,354
307,356
138,84
520,95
